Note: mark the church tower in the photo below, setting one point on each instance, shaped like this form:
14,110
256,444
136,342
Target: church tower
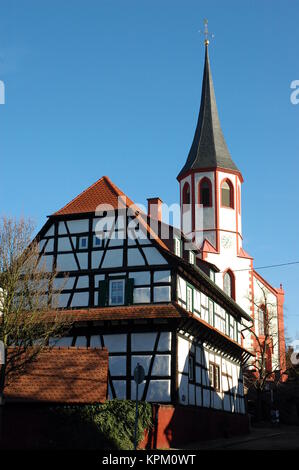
211,216
210,194
210,182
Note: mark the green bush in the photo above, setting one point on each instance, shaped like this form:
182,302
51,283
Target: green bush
115,420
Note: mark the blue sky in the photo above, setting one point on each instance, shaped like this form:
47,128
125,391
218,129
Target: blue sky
112,87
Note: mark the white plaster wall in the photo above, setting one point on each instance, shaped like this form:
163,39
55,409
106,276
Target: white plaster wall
271,300
140,278
135,258
80,299
196,394
78,226
228,259
50,245
153,256
113,259
66,262
50,232
64,244
227,216
181,286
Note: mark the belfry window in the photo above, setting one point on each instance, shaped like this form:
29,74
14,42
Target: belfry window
205,192
227,194
186,194
229,284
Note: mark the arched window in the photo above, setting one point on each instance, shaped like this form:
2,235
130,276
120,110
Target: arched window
229,284
186,194
262,320
205,192
227,194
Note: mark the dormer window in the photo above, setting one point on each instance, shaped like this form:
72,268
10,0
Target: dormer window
227,194
191,257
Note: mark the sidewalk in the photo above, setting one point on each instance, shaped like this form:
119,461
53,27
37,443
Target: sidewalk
259,438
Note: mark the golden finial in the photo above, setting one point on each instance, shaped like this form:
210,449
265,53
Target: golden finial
206,32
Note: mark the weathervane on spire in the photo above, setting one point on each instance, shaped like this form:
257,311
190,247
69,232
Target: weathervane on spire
206,32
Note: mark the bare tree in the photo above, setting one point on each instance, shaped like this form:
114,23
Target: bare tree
265,366
29,317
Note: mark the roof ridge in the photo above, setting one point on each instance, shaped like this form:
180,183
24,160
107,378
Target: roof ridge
79,195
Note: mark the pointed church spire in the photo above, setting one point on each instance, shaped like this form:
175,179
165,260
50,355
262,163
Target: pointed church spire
208,149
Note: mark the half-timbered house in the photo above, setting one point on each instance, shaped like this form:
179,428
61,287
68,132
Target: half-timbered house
147,299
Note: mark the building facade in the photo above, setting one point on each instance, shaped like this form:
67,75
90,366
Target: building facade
131,291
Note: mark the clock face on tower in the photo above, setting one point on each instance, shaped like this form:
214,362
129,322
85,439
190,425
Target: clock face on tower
226,241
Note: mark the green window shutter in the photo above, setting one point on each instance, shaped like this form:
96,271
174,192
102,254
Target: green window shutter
129,291
103,294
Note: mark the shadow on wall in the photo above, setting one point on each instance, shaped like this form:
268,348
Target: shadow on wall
176,425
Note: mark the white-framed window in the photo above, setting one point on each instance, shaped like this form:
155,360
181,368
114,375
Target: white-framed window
261,321
177,247
116,292
191,257
233,328
83,243
214,376
211,375
227,323
211,312
189,305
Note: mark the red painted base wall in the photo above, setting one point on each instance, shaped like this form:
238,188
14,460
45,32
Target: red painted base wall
178,425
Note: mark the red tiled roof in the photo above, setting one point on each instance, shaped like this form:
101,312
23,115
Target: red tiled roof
106,192
102,191
122,313
62,375
140,312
